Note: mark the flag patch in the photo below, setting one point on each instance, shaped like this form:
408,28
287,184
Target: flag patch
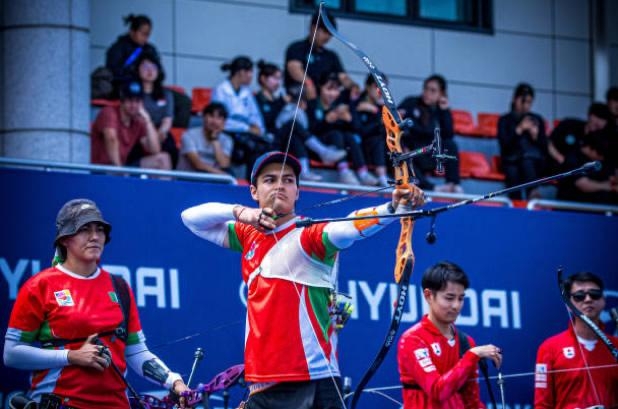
113,296
64,298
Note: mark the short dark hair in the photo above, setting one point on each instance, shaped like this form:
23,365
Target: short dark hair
266,69
436,277
437,78
370,80
320,24
215,107
242,62
523,89
583,276
600,110
327,77
612,94
136,22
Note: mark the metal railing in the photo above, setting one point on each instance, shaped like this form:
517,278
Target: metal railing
537,204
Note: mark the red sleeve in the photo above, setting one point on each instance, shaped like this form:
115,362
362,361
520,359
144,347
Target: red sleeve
107,118
134,322
543,379
417,367
316,244
470,392
28,311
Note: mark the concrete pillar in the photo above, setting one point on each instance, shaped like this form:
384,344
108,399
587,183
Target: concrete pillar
44,79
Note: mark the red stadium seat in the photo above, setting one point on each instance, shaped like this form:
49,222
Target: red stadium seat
488,124
475,164
177,135
463,122
200,97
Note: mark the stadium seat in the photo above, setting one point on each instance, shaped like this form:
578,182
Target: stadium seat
177,135
463,122
176,88
104,102
476,165
200,97
487,124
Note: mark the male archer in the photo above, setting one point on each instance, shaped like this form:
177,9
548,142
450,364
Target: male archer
290,342
574,369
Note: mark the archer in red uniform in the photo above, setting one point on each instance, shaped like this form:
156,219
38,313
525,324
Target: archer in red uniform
432,372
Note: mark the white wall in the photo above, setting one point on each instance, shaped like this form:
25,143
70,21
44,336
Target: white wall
544,42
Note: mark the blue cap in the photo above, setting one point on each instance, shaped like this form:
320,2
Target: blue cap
274,157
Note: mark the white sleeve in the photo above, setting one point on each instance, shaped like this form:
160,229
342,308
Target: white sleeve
21,355
210,221
138,354
344,234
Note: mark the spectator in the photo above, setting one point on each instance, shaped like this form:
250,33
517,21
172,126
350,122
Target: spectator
331,120
159,103
244,121
323,60
207,149
293,124
116,130
428,112
565,140
368,111
523,143
269,98
121,57
595,187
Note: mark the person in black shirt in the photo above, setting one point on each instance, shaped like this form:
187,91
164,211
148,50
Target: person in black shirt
269,98
523,143
122,56
428,112
322,61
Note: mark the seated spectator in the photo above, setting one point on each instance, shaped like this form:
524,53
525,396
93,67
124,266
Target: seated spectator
596,187
244,122
565,140
159,103
323,61
116,130
332,122
269,99
121,57
428,112
523,143
207,148
368,112
293,128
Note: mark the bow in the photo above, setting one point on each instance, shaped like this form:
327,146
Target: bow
598,332
404,264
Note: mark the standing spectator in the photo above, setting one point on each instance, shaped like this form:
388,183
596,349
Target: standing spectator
74,320
116,130
323,60
331,120
159,103
428,112
121,57
368,111
244,121
574,369
433,367
523,143
565,140
207,148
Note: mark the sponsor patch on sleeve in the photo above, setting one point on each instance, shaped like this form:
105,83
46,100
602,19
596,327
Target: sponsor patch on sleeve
421,353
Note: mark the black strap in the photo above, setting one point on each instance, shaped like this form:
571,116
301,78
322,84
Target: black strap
464,345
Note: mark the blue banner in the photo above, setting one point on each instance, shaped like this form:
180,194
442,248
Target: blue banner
190,293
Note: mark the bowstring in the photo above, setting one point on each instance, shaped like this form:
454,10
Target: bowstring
303,305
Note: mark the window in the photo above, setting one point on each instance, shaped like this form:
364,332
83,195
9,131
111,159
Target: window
469,15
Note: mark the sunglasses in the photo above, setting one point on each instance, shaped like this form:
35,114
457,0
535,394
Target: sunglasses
580,296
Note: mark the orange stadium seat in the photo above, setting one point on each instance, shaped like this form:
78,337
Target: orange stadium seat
476,165
488,124
463,122
200,97
177,135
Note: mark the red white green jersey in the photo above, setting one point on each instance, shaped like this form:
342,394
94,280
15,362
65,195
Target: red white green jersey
57,304
289,274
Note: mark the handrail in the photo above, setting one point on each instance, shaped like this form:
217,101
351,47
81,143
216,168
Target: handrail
536,204
47,165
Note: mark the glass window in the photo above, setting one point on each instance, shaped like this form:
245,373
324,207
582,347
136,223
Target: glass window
449,10
394,7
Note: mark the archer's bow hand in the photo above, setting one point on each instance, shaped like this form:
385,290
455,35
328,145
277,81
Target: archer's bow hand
261,219
405,200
